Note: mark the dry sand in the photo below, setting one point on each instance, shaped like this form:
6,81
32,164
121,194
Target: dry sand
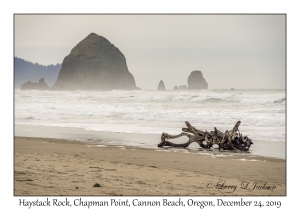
60,167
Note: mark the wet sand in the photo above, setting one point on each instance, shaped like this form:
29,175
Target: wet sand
259,148
44,167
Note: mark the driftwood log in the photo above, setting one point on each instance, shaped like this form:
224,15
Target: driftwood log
229,140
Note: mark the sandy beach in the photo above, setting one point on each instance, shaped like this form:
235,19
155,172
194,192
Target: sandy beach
44,167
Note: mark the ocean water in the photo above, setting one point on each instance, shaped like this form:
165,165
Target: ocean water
262,112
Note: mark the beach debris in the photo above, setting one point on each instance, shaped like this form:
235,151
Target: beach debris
229,140
97,185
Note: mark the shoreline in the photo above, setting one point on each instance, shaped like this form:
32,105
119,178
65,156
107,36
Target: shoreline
275,149
49,166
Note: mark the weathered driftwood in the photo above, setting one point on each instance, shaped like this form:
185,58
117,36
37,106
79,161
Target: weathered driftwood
229,140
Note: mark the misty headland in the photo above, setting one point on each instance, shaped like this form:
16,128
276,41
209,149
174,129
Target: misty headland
25,71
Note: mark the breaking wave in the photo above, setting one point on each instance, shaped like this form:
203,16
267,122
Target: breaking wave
262,112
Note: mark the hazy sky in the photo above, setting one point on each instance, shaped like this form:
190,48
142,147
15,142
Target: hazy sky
240,51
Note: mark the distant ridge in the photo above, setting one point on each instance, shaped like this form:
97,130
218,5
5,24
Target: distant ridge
26,70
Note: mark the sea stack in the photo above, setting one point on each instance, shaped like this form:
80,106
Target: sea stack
41,85
161,85
196,81
94,64
175,88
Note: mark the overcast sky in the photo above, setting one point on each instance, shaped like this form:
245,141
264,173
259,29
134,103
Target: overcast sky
239,51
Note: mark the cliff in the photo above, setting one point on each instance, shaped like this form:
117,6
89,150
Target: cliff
94,64
196,81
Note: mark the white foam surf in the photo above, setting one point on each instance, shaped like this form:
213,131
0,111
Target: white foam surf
262,112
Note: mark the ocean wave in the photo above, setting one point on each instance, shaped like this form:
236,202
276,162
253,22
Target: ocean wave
213,96
280,100
152,111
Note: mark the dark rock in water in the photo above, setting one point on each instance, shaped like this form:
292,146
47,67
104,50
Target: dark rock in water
176,88
232,89
94,64
161,85
182,87
41,85
196,81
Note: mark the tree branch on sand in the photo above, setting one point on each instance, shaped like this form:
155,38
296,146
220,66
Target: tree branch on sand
229,140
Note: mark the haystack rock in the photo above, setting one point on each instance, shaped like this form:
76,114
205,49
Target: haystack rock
196,81
94,64
41,85
161,85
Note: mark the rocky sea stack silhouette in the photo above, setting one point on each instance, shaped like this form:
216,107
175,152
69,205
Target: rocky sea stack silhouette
41,85
196,81
161,85
94,64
